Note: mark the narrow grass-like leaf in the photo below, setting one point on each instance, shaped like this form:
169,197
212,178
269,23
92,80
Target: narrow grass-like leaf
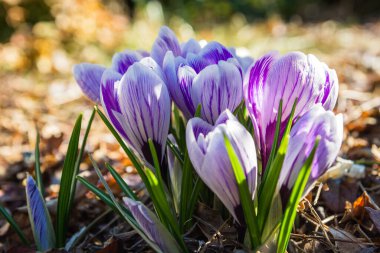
40,221
186,189
122,210
198,111
100,194
245,195
198,186
156,162
67,180
120,181
275,140
175,150
269,183
37,165
14,225
79,159
180,128
295,196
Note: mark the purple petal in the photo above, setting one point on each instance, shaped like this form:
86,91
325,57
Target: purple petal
145,107
166,41
316,122
122,61
191,46
170,68
110,100
88,77
152,227
214,52
218,87
152,64
43,231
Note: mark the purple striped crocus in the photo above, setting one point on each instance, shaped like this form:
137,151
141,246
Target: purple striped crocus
138,105
151,226
208,154
211,78
274,77
316,122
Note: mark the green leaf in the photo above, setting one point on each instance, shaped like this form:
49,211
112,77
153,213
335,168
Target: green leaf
14,225
198,111
100,194
245,195
65,194
269,182
175,150
38,166
120,181
295,196
180,128
123,211
187,187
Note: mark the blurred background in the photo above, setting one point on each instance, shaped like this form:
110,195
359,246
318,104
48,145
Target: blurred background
41,40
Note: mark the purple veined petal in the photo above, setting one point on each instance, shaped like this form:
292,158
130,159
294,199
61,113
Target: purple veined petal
170,68
254,82
331,89
88,77
152,64
186,76
209,156
122,61
197,62
143,53
166,41
191,46
152,227
145,107
316,122
214,52
109,98
196,130
39,216
218,87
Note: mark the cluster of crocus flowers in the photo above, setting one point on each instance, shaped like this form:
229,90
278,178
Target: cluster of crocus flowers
137,92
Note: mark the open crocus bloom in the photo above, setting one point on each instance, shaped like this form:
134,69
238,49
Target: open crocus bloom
316,122
211,78
274,77
138,105
208,154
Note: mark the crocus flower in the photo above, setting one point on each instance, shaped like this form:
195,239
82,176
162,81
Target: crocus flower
316,122
211,78
274,77
138,105
152,227
207,152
